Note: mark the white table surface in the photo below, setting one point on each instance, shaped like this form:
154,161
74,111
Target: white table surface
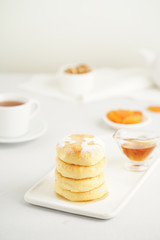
21,165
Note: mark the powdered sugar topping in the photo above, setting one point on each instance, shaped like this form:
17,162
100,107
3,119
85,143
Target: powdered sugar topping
98,141
86,147
87,144
65,140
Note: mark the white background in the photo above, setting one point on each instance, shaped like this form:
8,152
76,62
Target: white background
41,35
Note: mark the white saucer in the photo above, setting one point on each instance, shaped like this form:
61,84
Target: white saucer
146,120
37,129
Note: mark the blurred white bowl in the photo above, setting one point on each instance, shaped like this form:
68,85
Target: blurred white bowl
75,84
146,120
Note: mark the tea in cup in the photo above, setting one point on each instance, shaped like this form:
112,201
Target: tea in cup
16,113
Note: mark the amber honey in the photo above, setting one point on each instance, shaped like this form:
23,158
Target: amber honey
137,150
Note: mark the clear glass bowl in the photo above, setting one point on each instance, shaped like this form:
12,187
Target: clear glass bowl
138,146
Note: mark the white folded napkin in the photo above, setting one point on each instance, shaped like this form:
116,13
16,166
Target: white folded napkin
108,82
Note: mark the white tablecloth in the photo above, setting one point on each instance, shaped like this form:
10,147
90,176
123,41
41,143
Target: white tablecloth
21,165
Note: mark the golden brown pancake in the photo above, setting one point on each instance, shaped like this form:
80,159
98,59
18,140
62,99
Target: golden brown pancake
80,172
81,149
79,185
96,193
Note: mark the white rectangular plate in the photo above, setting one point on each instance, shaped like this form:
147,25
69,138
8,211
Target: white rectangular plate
122,185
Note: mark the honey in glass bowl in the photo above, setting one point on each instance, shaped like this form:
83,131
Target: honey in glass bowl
138,146
137,150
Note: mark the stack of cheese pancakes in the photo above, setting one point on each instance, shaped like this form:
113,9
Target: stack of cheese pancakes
80,168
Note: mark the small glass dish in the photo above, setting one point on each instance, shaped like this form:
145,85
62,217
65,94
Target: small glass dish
138,146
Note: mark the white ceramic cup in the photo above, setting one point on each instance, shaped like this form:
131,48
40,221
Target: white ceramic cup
15,120
76,84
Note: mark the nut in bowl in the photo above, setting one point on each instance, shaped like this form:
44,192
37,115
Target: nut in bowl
124,118
76,79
